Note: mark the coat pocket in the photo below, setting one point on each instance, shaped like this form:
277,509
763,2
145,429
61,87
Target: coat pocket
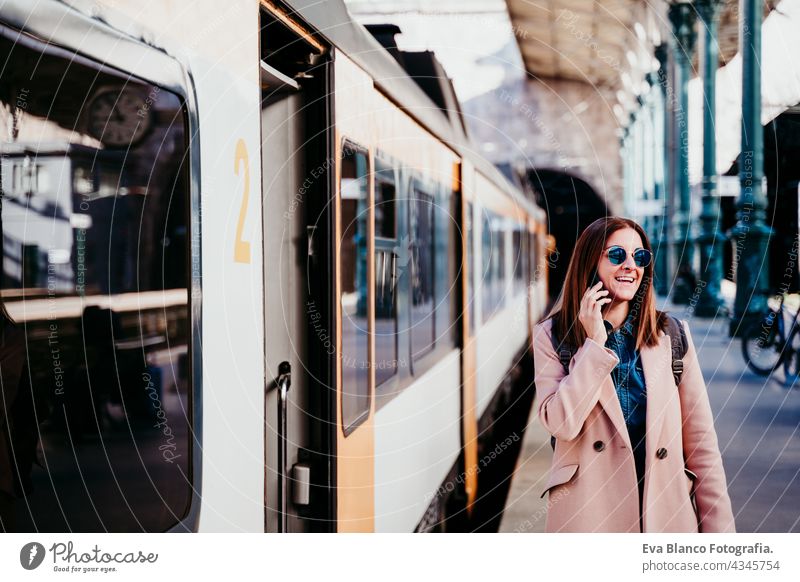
692,477
560,476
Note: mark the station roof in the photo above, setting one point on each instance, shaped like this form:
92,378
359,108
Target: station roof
566,39
602,42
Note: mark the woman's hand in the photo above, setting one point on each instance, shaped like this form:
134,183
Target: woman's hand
591,316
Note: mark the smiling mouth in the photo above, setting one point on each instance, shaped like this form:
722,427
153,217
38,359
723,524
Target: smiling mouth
625,280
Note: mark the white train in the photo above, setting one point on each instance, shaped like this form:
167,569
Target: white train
255,278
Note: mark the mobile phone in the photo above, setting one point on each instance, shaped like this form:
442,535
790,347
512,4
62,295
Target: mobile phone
592,282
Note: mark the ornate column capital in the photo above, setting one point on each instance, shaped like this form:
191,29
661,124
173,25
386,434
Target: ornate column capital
682,16
708,10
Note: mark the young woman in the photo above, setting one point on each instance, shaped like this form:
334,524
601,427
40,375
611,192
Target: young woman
632,449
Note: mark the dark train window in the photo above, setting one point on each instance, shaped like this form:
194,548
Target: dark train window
387,254
498,263
487,274
494,264
95,341
519,259
354,301
421,241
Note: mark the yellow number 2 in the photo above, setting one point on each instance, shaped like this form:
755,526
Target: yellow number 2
241,248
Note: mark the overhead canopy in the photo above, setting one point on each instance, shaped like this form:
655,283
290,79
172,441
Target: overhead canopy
581,40
608,43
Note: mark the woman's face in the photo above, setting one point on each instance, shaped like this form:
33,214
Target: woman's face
622,281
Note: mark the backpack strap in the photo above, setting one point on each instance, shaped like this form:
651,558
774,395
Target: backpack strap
564,352
677,335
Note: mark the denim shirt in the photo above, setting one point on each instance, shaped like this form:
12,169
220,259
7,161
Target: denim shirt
628,377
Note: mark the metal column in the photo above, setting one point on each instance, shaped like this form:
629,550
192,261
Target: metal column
710,240
682,17
751,234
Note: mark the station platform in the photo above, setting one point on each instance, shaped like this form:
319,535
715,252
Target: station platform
757,421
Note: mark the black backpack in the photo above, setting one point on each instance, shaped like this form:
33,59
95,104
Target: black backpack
674,330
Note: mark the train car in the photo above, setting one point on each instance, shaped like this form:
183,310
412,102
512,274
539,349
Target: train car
253,279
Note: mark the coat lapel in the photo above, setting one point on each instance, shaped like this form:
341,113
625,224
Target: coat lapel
610,403
660,386
657,365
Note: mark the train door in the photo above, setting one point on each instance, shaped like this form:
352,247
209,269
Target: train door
295,181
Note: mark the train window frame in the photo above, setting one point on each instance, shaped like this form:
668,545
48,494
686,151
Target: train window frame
83,39
350,145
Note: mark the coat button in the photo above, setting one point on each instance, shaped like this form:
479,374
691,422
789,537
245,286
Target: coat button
661,453
599,446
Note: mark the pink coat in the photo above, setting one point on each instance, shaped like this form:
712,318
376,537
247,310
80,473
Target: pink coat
592,482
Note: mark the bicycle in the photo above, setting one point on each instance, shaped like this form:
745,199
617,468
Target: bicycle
766,344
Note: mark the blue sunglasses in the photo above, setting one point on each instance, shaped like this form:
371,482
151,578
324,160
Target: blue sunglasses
617,255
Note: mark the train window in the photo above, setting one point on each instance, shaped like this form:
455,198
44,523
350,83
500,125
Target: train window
499,263
487,274
354,301
96,419
494,264
421,240
387,253
520,259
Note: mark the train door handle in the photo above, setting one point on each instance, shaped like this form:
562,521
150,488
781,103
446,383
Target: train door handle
284,383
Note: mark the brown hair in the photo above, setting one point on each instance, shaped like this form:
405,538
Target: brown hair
566,325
